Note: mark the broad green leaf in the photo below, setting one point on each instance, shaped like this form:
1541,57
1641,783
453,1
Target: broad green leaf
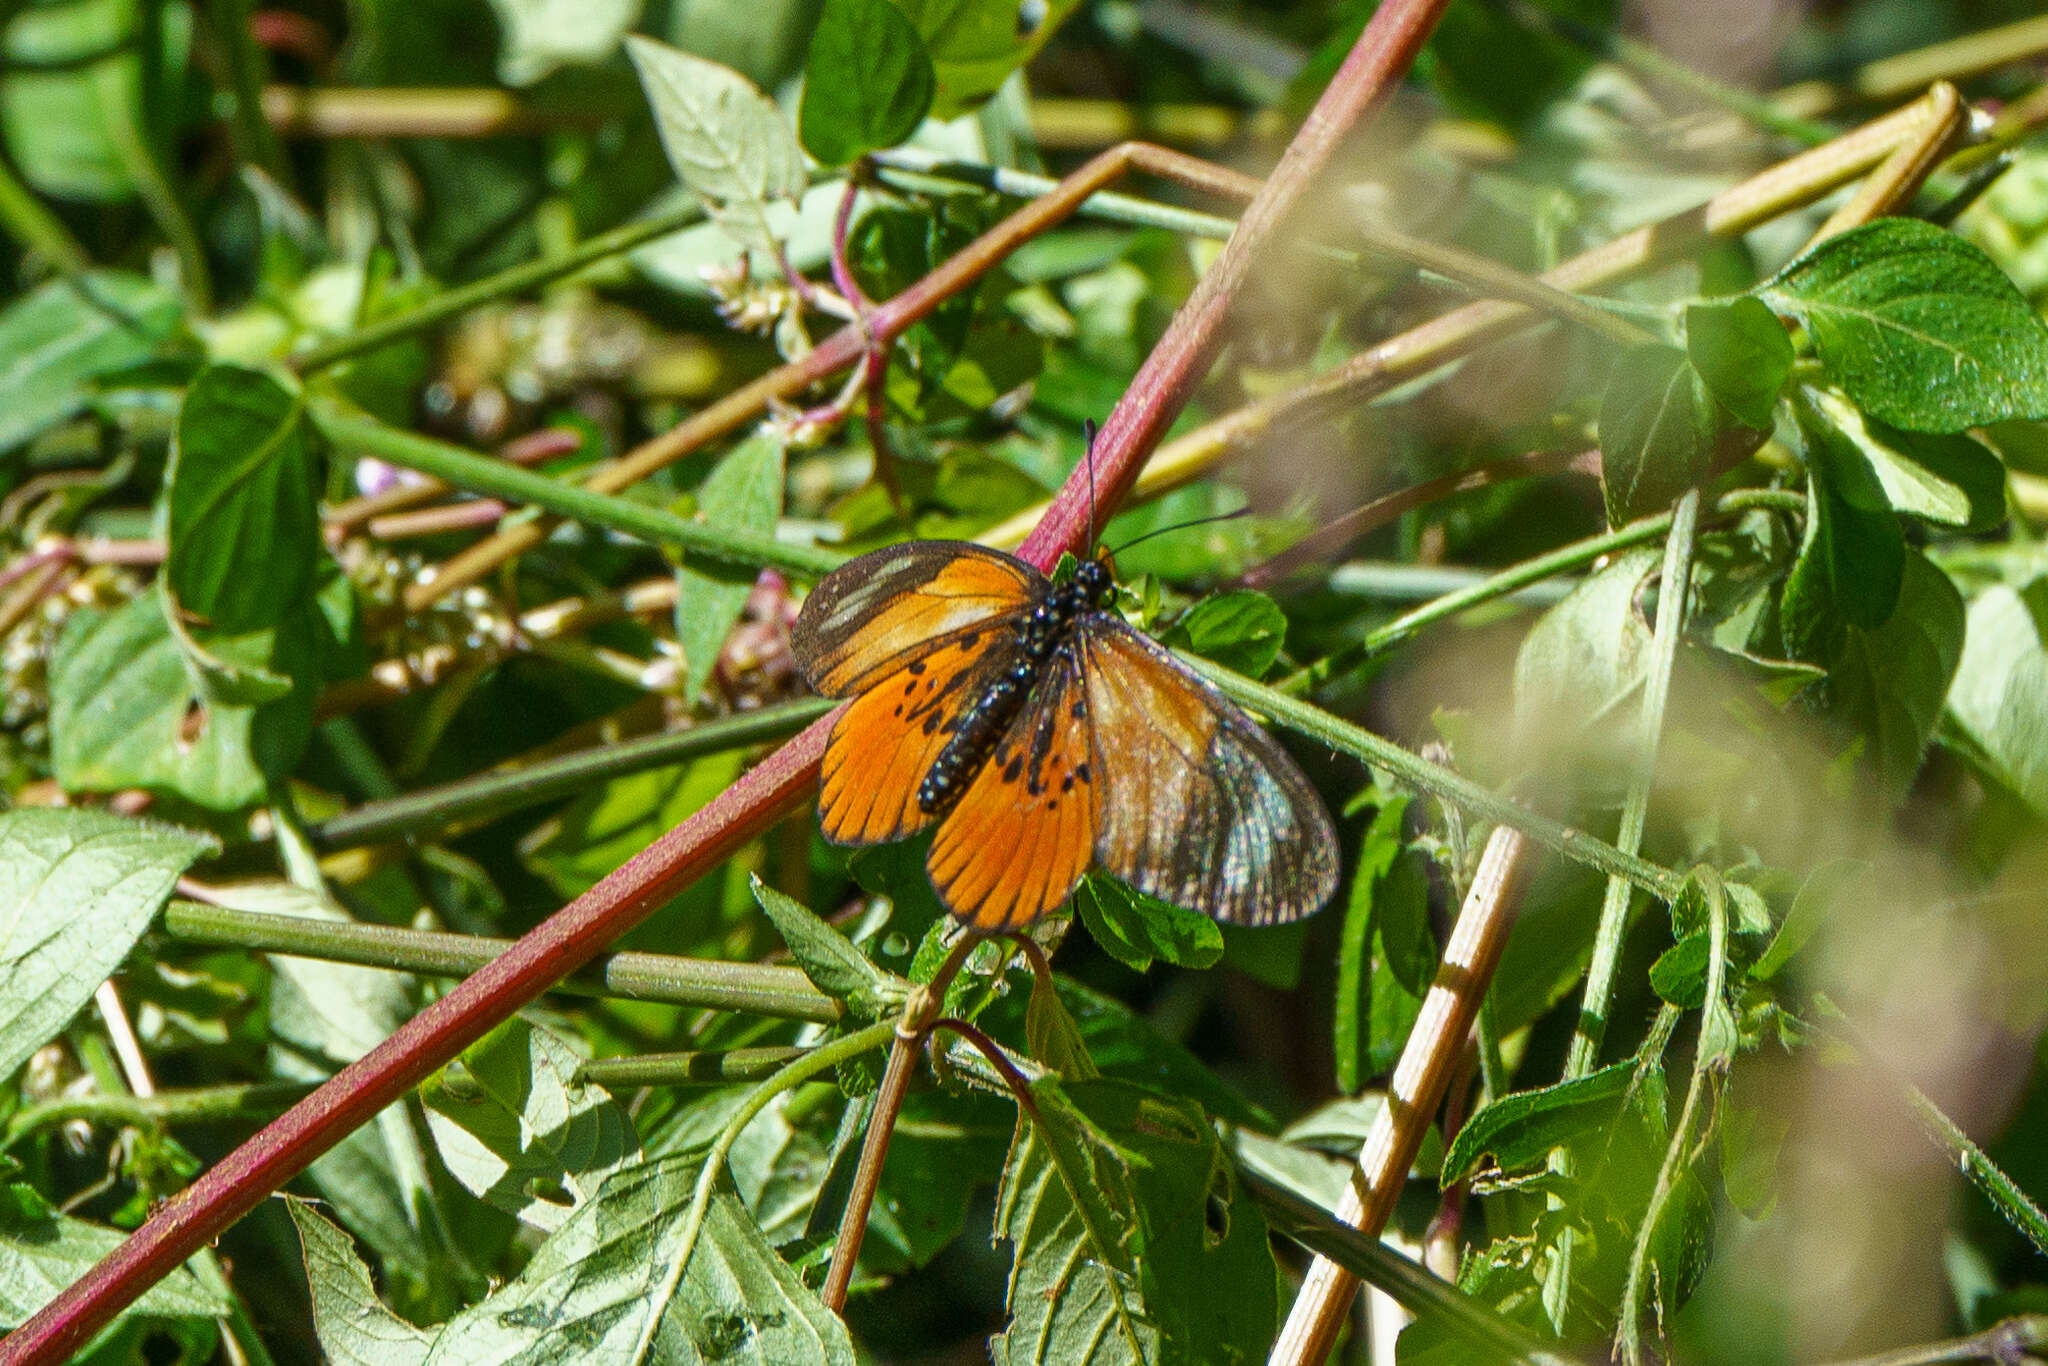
1920,328
1521,1129
1741,350
1750,1139
515,1126
828,958
1999,699
728,142
243,527
1124,1045
609,1286
1133,1242
543,35
1584,659
42,1252
126,709
1816,901
1852,562
1956,481
77,889
868,83
976,44
354,1327
56,340
1656,432
1888,683
71,106
1241,630
744,493
1135,929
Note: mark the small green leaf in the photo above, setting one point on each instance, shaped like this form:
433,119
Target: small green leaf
1241,630
1999,699
1051,1033
1521,1129
868,82
541,36
1681,1244
1135,929
354,1327
1852,562
833,964
1815,903
1742,352
1956,481
729,144
1919,326
1381,845
1679,975
1657,432
243,527
58,339
517,1129
976,44
77,889
744,493
1887,684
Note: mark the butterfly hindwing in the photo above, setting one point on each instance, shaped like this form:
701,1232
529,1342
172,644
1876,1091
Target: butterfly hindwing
1022,834
878,612
884,743
1198,805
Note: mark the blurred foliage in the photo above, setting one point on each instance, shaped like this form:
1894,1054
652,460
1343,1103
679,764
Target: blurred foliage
555,231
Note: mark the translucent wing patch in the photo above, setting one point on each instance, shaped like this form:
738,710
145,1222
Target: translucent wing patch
883,744
1198,805
876,613
1024,831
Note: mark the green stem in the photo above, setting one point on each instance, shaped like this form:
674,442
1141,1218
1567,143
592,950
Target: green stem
912,168
493,794
755,988
1439,782
258,139
689,1069
1563,560
31,223
501,479
198,1105
514,280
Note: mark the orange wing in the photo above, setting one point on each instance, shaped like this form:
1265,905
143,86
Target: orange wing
1024,831
1200,807
884,743
878,612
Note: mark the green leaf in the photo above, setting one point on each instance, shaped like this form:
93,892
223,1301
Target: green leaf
744,493
1681,1244
1919,326
243,528
516,1127
58,339
868,83
77,889
1680,973
1134,1242
729,144
541,36
72,104
1743,354
1955,481
1657,432
1051,1033
610,823
1521,1129
42,1251
1584,658
1135,929
1815,903
1852,562
828,958
1241,630
1999,699
354,1327
1888,683
976,44
1381,845
607,1281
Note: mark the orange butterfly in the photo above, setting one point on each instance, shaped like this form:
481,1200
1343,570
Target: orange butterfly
1044,734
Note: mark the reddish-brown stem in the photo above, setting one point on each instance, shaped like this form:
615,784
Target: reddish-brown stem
1019,1084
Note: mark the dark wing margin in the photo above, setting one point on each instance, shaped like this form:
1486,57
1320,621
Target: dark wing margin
880,611
1198,805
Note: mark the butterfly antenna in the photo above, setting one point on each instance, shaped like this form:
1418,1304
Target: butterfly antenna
1182,526
1088,430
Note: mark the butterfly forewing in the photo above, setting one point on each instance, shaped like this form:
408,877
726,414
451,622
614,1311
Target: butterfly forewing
1024,831
878,612
1199,806
884,743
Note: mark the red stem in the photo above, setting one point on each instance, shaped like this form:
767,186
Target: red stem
577,932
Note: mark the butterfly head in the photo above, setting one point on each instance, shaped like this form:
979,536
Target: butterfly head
1094,580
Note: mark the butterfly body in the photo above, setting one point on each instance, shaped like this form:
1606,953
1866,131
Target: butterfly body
1043,735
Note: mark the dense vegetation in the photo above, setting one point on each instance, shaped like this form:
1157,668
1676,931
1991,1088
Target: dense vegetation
420,421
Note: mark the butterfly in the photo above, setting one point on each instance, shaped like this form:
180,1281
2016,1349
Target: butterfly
1044,736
